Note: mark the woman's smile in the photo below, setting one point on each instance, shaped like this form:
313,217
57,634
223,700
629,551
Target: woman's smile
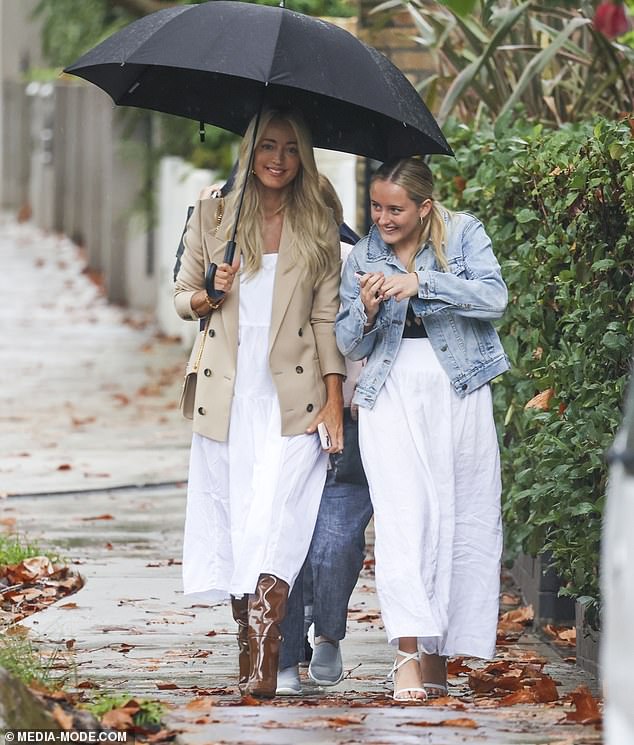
276,162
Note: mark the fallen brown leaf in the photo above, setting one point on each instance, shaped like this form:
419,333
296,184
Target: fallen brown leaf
166,686
457,666
519,615
458,722
524,696
87,684
62,718
564,635
98,517
546,690
248,700
586,707
64,467
346,720
122,717
200,704
30,569
446,702
541,401
510,598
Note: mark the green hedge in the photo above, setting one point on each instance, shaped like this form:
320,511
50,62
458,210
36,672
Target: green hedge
559,207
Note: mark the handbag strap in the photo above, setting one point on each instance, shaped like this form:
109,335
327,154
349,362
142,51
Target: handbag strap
220,210
202,342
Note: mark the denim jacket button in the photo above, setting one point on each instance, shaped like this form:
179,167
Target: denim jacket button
443,348
464,386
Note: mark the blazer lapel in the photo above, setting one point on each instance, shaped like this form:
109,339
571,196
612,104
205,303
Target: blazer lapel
287,277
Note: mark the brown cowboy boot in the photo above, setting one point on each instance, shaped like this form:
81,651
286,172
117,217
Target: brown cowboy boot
267,608
240,612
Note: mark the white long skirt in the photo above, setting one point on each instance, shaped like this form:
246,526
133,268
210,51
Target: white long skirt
433,465
252,501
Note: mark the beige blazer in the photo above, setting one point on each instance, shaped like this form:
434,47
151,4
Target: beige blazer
302,346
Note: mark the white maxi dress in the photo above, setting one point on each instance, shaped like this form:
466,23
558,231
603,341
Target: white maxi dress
433,466
252,501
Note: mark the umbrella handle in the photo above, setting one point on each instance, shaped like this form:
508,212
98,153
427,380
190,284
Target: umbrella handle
210,275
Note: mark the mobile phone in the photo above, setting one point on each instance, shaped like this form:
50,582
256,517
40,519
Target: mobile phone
324,437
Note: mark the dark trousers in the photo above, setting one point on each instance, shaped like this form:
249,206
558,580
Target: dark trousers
331,569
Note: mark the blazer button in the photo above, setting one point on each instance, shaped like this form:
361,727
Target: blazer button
201,410
309,408
212,332
300,332
443,348
207,372
299,369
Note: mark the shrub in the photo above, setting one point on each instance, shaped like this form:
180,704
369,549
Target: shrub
559,207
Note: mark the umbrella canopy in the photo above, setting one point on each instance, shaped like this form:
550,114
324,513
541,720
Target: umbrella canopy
220,61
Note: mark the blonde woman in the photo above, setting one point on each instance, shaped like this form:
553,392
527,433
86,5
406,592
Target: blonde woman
270,372
418,297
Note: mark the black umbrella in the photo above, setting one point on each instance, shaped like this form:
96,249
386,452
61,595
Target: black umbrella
219,62
216,62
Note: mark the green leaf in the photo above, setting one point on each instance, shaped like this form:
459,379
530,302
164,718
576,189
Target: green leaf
616,150
539,61
461,7
467,76
525,215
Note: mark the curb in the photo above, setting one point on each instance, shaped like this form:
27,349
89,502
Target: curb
21,709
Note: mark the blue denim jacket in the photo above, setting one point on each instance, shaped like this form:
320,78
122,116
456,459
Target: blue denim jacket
457,307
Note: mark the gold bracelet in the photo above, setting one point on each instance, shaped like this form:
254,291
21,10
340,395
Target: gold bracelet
211,304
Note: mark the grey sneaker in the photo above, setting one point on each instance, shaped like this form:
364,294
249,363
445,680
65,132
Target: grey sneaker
288,683
326,666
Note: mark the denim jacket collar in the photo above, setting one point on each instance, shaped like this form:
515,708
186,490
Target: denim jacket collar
377,248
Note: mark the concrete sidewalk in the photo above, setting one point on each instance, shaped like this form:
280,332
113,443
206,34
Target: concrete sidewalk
72,368
89,391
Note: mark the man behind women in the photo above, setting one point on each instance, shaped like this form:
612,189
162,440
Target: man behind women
269,373
336,552
418,296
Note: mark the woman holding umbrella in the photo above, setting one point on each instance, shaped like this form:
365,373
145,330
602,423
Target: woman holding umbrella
418,296
271,372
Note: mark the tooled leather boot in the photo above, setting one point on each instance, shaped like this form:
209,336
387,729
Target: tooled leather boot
240,612
267,608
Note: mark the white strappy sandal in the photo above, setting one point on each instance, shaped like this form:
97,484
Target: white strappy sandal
398,694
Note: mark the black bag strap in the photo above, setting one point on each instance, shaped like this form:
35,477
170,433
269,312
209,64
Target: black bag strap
181,245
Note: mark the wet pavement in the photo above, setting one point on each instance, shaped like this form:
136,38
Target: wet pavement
89,390
130,629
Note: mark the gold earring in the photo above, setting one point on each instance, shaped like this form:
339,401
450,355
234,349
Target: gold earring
421,219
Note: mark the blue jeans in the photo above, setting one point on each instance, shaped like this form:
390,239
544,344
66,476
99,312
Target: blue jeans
334,560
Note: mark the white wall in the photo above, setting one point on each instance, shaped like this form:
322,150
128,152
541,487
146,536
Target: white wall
20,49
340,168
179,186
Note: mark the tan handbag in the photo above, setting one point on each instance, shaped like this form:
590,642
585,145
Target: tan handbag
188,394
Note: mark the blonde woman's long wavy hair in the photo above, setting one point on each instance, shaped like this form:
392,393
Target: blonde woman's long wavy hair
309,219
414,175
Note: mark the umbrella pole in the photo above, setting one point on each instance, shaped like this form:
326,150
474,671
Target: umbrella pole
230,249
